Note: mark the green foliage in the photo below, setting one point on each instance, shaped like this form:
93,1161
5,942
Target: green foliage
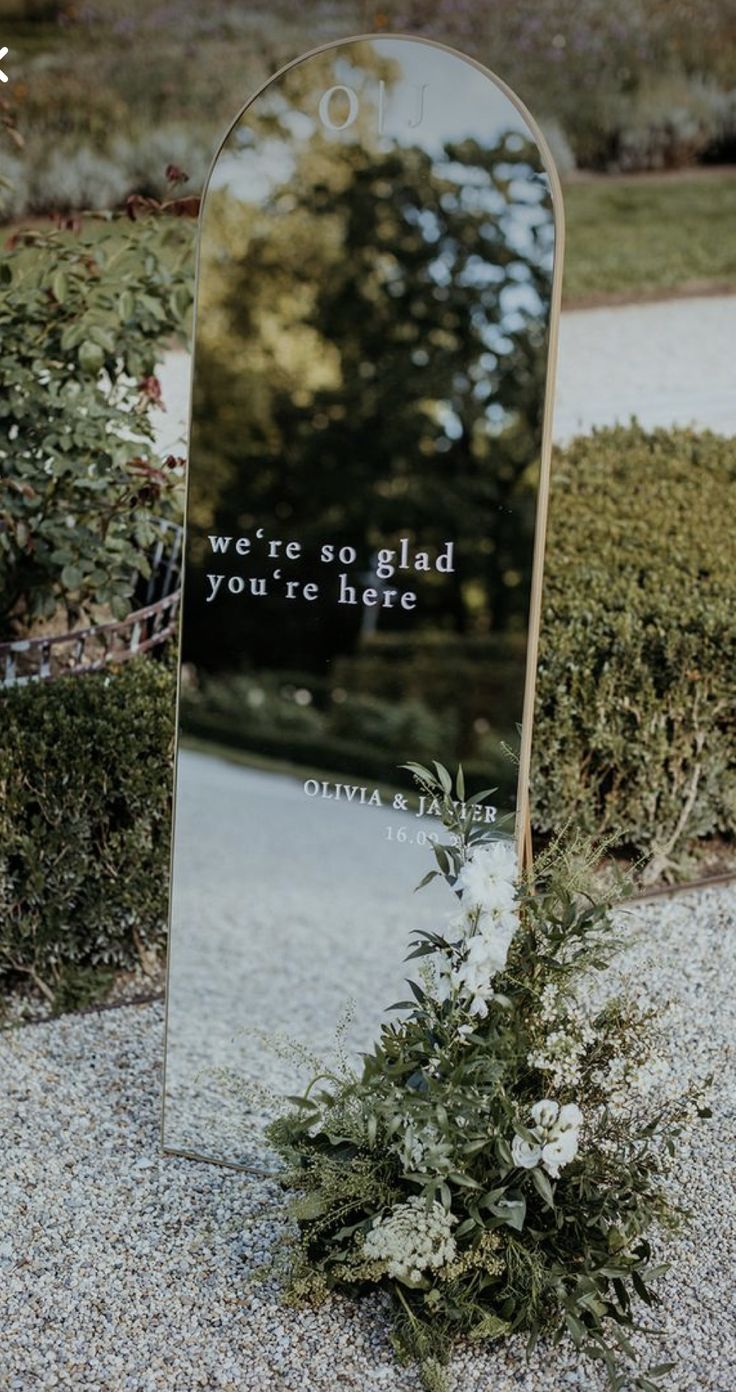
635,729
434,1133
85,773
83,319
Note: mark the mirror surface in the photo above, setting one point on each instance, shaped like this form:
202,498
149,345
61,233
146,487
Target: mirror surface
371,354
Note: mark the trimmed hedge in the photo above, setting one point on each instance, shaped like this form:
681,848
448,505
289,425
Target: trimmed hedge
85,784
635,728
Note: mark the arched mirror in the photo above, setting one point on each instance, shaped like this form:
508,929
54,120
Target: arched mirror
378,285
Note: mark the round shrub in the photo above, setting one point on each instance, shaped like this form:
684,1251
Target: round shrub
635,726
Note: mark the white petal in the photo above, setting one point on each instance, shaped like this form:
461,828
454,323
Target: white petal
545,1112
524,1154
560,1151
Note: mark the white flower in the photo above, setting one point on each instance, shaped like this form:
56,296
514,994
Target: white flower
482,930
502,922
489,953
556,1134
487,880
462,925
524,1154
473,974
412,1239
561,1056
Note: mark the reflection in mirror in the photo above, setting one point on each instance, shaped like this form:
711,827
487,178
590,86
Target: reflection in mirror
371,359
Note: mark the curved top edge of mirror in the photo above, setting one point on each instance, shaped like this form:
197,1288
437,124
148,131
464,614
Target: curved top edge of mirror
383,40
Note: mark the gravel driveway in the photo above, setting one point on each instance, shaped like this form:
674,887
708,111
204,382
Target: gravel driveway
126,1272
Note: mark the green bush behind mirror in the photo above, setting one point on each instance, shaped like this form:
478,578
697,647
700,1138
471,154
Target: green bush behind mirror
378,289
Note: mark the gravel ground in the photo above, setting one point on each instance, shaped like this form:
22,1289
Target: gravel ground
667,364
127,1272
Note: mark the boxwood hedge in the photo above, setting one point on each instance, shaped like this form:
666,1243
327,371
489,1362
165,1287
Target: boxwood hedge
635,728
85,784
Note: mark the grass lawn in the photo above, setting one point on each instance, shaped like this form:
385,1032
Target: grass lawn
650,236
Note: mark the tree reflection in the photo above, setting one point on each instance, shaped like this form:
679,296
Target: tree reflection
370,365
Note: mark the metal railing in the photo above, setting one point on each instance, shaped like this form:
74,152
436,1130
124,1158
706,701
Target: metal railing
151,624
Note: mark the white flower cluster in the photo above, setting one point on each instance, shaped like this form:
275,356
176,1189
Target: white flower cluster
484,927
564,1046
412,1239
556,1132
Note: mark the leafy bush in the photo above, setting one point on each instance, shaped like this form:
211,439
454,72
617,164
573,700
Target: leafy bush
85,776
635,725
672,122
84,317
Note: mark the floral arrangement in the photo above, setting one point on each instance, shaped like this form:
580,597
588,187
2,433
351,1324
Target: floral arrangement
497,1162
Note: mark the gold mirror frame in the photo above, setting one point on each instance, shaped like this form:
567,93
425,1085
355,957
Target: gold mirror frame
523,823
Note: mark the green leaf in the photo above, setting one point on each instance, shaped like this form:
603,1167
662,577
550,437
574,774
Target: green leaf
60,286
464,1181
419,771
543,1187
503,1151
71,577
120,606
489,1327
479,797
442,858
103,338
431,875
492,1196
641,1289
512,1211
618,1334
575,1328
444,778
91,357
